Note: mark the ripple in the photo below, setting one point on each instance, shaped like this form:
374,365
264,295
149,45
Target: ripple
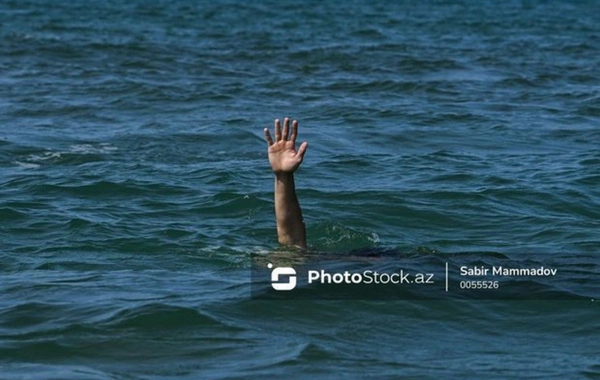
151,316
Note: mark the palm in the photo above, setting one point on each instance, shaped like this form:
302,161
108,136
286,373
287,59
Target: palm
283,156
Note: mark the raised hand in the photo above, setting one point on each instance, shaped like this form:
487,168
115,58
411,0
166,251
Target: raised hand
283,156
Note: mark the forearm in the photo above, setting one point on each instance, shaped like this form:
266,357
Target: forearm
290,225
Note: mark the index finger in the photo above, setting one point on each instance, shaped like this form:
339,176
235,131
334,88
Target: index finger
294,134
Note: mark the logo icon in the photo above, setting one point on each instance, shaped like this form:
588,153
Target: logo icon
288,272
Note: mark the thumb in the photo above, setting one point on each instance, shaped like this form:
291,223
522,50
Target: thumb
302,149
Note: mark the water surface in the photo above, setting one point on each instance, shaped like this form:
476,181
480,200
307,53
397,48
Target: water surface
134,183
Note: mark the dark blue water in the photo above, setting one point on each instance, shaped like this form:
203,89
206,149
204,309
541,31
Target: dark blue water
135,187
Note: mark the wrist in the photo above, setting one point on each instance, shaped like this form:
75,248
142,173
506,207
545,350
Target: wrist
284,176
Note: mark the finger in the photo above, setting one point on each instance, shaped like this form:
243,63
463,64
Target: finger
268,137
294,131
286,128
277,130
302,150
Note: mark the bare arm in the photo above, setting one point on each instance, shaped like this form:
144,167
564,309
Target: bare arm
284,160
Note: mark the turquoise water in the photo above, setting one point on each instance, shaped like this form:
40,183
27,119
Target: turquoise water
135,186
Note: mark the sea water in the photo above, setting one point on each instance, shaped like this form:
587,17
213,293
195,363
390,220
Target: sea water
135,189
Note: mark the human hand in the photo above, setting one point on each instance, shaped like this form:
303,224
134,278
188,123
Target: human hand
283,156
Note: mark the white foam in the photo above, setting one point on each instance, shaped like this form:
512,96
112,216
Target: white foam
43,157
374,237
27,165
101,148
32,160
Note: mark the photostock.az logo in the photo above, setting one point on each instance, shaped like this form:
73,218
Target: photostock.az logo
283,272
